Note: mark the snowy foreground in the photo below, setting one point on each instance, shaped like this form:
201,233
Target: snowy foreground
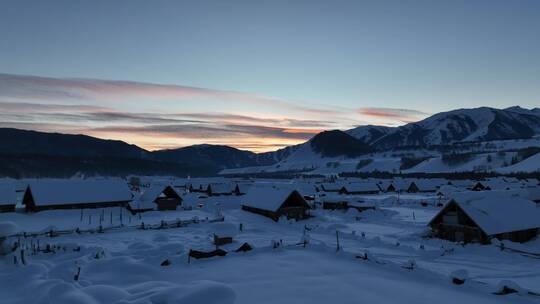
127,265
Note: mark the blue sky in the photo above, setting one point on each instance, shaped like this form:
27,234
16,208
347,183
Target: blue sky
258,74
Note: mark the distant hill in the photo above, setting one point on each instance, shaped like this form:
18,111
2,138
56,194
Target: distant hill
15,141
338,143
214,155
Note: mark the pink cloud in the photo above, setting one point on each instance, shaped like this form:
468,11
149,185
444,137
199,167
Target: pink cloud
402,115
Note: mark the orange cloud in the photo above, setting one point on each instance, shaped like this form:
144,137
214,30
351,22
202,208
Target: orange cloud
390,114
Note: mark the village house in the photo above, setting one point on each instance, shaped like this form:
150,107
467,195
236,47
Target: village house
331,187
360,188
276,202
479,217
157,197
396,185
75,194
220,189
424,185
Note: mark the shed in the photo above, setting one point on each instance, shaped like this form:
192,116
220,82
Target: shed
478,217
76,194
276,202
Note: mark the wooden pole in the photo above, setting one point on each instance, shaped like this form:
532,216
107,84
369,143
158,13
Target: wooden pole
337,240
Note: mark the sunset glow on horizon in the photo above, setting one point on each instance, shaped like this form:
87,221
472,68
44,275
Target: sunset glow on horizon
256,76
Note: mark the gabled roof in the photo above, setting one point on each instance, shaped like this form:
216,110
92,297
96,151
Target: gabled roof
267,198
448,190
428,184
497,212
8,196
152,193
400,184
362,187
68,191
332,186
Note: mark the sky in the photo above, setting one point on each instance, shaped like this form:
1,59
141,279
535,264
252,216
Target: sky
258,75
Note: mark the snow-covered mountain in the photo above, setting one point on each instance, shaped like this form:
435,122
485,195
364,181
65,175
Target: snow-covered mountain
365,148
463,125
369,133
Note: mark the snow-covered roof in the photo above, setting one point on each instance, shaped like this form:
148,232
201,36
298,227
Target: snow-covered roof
362,187
266,198
222,188
152,193
332,186
425,184
304,188
401,184
448,190
61,192
463,183
8,195
533,193
498,212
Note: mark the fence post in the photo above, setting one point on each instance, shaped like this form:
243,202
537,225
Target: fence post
337,240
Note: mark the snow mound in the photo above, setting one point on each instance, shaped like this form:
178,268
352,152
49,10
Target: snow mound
198,292
7,228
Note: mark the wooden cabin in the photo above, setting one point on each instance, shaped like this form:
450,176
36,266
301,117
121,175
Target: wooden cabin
424,186
198,188
479,186
157,197
360,189
275,203
56,194
331,187
223,189
470,217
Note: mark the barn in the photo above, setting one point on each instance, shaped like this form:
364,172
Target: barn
479,217
8,198
157,197
75,194
276,202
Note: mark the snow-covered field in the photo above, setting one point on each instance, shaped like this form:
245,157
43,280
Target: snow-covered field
125,265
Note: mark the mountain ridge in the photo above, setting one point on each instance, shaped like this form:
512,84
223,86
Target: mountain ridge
482,124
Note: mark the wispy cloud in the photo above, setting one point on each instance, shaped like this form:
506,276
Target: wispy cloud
157,130
164,115
391,114
77,89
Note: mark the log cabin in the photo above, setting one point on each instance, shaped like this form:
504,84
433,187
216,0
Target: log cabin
223,189
480,217
275,203
360,188
157,197
56,194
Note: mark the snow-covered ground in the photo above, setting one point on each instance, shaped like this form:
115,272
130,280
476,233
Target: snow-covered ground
124,265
